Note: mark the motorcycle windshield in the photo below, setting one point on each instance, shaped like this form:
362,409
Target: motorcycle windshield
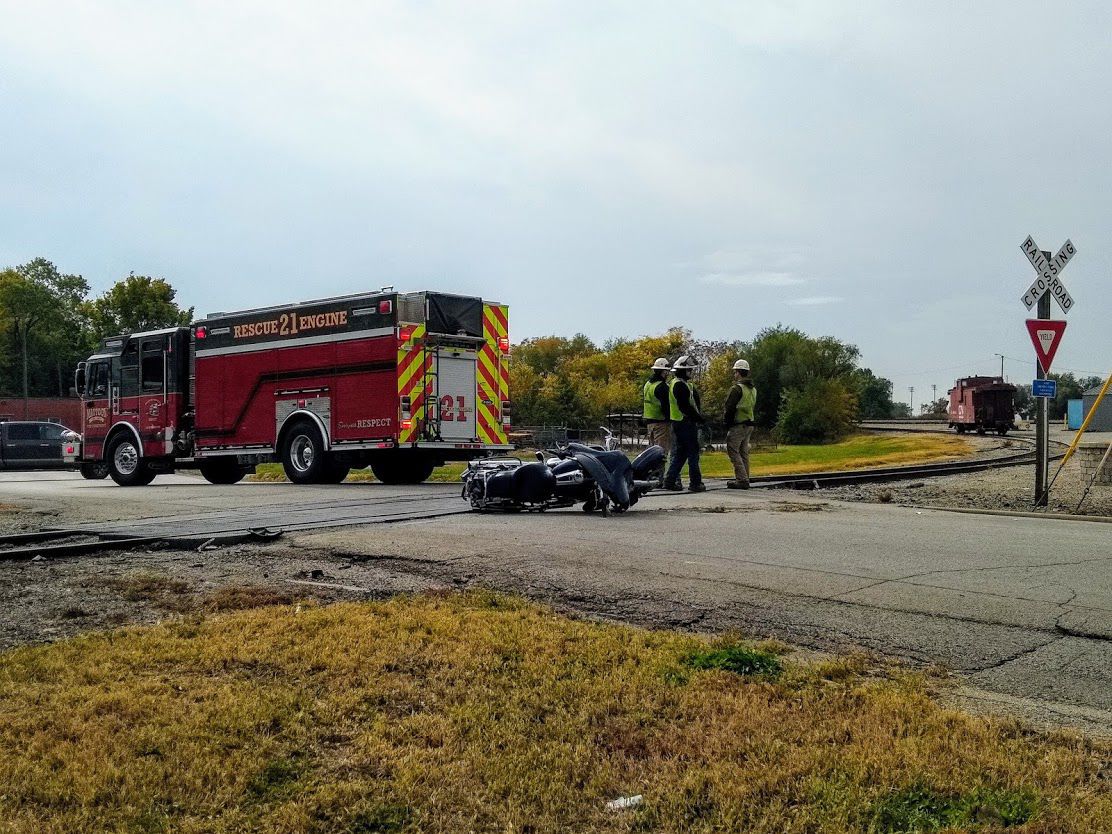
613,484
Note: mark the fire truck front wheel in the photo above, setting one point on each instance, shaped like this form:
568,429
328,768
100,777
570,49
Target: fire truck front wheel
303,457
126,464
93,471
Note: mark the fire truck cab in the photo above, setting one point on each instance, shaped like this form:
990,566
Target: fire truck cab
398,382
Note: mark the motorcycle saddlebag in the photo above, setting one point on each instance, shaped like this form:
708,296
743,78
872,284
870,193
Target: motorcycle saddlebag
533,483
500,485
648,462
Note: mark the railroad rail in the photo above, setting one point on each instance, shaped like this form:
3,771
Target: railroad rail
254,524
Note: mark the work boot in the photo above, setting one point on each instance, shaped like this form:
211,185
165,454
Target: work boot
673,486
736,485
697,488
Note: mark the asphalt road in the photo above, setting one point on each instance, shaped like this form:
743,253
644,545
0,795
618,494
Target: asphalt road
1020,608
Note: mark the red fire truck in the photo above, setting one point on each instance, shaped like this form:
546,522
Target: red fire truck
400,382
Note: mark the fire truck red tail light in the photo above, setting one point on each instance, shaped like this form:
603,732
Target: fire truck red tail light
200,332
69,450
407,425
504,344
386,307
405,335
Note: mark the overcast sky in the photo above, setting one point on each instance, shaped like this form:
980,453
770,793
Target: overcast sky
862,170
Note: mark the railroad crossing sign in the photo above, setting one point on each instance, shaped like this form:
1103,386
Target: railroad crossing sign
1048,268
1046,335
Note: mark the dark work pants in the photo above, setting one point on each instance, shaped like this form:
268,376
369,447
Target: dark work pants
685,449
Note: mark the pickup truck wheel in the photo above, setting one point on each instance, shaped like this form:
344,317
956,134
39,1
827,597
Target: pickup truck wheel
222,471
93,471
403,468
125,462
303,457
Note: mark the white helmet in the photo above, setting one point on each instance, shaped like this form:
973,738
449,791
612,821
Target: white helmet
684,363
741,365
661,364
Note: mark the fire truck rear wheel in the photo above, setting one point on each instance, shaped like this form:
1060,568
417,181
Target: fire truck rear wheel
403,468
303,457
126,464
222,471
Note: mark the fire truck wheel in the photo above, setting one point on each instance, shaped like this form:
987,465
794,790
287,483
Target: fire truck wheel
403,468
303,456
334,473
93,471
126,464
222,471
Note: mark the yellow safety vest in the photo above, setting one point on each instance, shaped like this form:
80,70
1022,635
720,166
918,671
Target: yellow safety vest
650,405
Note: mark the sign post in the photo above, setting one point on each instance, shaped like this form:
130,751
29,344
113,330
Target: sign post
1048,283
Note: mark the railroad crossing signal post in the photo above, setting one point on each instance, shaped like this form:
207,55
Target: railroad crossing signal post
1048,283
1042,427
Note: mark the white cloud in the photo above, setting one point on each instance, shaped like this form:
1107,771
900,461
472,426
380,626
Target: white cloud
752,279
815,300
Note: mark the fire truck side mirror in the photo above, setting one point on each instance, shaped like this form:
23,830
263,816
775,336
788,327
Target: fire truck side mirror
79,379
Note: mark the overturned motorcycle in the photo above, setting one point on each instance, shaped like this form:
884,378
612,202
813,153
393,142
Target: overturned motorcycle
602,479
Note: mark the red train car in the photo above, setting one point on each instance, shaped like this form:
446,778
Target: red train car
982,404
399,382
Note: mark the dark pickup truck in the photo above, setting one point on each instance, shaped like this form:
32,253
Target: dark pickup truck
34,445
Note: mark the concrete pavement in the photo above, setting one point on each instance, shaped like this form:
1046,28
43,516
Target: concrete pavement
1021,608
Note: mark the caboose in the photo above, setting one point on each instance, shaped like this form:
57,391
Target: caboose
982,404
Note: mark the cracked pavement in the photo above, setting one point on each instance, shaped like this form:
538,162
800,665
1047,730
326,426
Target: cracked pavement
1020,609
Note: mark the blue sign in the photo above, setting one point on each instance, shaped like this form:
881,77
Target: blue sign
1044,388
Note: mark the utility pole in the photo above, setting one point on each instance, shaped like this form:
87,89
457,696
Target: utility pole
934,394
911,388
1001,363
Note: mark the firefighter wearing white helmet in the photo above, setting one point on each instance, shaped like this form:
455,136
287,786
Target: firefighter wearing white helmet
685,413
738,419
655,408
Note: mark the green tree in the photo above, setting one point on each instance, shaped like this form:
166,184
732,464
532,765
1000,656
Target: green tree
819,411
874,395
135,304
1069,388
41,309
937,409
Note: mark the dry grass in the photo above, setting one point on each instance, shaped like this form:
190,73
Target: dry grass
448,713
146,587
243,597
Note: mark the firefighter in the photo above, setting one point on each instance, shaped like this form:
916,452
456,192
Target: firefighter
655,408
740,404
684,411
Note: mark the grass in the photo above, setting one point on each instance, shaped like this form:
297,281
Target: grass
860,451
857,452
479,712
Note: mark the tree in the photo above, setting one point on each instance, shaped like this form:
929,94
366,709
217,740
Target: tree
874,395
821,410
41,308
937,409
1069,388
135,304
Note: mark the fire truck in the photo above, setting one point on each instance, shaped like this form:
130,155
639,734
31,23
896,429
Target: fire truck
400,382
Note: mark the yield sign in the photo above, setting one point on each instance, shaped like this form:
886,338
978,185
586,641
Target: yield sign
1045,336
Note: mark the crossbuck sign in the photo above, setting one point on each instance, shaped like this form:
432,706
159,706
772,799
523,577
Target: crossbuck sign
1048,270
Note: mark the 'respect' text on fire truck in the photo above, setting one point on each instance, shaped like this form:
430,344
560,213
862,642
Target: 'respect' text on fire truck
400,382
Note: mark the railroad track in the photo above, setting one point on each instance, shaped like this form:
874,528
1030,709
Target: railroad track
225,527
